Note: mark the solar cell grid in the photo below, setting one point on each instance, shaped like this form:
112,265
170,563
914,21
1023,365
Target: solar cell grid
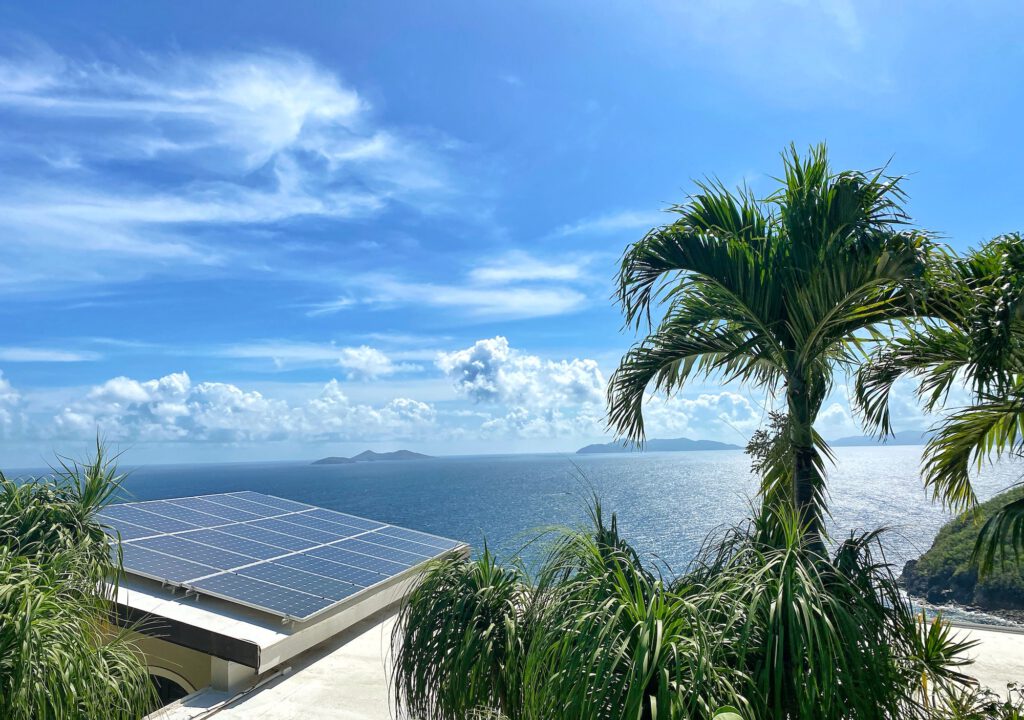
328,568
359,560
247,505
171,510
433,541
379,551
126,530
257,593
233,543
304,520
179,547
280,540
142,518
289,528
162,567
321,585
272,554
409,546
215,509
271,501
345,519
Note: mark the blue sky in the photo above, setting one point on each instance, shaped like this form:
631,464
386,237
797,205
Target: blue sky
272,231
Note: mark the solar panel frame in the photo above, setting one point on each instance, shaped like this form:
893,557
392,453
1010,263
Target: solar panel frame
265,538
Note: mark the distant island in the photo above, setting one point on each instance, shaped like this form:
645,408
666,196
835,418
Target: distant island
371,456
903,437
670,445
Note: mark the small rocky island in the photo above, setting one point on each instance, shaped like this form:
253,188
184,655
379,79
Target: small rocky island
669,445
944,574
371,456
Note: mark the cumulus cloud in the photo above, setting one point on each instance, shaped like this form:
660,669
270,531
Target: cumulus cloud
492,371
174,408
725,415
536,397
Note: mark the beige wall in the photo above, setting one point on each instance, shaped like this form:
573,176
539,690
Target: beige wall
175,661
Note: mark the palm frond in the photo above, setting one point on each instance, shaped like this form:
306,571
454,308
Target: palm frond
668,359
1002,537
965,440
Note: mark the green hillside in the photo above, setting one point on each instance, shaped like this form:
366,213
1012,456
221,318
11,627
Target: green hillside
944,574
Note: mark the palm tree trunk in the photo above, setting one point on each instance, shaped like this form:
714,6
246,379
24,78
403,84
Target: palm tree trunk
806,475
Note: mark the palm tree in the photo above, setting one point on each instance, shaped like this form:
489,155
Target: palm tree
975,338
779,293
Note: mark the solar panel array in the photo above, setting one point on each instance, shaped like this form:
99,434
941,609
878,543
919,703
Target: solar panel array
276,555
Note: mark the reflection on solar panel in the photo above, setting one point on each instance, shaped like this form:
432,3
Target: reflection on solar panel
265,552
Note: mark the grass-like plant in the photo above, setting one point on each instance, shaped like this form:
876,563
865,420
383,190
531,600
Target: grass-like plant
60,658
759,624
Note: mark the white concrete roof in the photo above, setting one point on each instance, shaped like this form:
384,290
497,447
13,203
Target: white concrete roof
346,678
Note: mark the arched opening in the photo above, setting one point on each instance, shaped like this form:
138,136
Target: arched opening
169,685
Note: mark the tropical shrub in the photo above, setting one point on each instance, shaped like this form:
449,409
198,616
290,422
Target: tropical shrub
59,656
761,625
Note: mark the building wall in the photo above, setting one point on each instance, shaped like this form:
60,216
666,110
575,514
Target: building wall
175,661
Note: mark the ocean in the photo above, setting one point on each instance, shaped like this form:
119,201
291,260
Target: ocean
666,503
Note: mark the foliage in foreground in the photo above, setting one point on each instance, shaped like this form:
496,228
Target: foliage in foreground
761,623
947,572
59,657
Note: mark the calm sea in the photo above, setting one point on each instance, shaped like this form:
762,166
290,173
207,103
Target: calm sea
667,503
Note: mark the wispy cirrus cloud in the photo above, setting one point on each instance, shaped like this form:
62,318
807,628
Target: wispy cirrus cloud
217,147
46,355
360,361
613,223
513,286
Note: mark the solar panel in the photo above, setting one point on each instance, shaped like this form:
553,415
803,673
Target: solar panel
265,552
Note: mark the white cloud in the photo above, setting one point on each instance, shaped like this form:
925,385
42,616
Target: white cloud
491,371
725,416
10,400
238,139
360,361
520,267
536,397
174,409
48,355
475,299
835,422
517,285
365,361
627,220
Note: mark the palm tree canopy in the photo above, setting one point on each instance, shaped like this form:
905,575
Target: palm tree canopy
975,339
778,292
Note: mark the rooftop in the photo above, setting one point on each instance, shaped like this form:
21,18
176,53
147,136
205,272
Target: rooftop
347,678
